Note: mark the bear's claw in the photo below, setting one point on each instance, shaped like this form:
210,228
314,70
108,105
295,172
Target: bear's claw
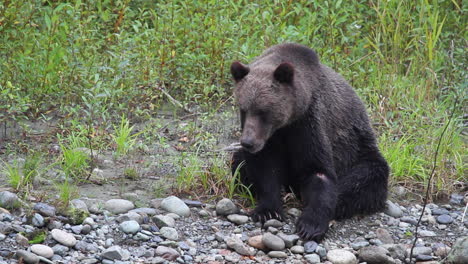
262,215
309,229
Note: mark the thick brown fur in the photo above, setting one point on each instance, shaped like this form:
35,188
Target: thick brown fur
304,127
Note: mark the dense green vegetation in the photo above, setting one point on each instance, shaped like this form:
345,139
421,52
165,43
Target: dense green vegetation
91,62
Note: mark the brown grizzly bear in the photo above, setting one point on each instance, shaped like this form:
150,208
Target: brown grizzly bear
304,128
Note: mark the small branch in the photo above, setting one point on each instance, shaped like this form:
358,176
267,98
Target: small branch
434,165
172,100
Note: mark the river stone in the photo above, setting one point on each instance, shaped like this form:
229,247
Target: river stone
289,240
42,250
274,223
456,198
444,219
256,242
238,219
397,251
118,206
144,210
169,233
393,210
9,200
63,237
79,205
375,255
310,246
175,205
167,253
312,258
60,250
341,256
439,211
28,257
384,236
163,220
226,207
277,254
129,227
115,253
38,220
45,209
237,245
273,242
459,252
426,233
297,249
420,251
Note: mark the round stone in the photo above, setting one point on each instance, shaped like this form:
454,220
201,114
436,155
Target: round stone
169,233
297,249
256,242
226,207
118,206
277,254
439,211
273,223
312,258
289,240
167,252
393,210
310,246
360,244
115,253
28,257
341,256
38,220
444,219
375,254
42,250
9,200
237,245
273,242
163,220
129,227
45,209
63,237
238,219
175,205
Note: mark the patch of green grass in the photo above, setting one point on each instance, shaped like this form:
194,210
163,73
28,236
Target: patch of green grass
123,137
131,173
21,178
75,160
13,174
67,191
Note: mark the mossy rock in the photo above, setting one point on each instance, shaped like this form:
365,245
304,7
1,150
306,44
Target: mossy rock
76,216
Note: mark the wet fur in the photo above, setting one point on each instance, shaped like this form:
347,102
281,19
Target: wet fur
324,148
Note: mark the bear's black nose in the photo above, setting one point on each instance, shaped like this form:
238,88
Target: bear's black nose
247,143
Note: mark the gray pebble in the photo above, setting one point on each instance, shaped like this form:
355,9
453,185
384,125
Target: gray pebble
444,219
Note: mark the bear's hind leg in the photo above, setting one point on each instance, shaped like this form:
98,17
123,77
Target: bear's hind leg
363,190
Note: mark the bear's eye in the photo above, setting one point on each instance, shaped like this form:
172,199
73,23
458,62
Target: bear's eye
262,114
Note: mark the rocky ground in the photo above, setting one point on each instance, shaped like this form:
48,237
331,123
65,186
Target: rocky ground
172,230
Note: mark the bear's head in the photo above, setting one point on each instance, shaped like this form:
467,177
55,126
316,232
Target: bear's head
266,98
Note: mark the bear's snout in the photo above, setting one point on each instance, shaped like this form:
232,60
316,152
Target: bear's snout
247,143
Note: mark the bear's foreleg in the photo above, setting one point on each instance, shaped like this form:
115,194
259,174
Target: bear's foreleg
263,173
319,195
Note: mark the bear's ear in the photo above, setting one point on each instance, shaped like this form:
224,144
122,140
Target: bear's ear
284,73
239,70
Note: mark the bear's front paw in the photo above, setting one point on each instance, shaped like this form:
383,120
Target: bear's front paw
263,214
310,228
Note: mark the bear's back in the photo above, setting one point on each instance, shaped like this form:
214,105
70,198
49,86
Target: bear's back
299,55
